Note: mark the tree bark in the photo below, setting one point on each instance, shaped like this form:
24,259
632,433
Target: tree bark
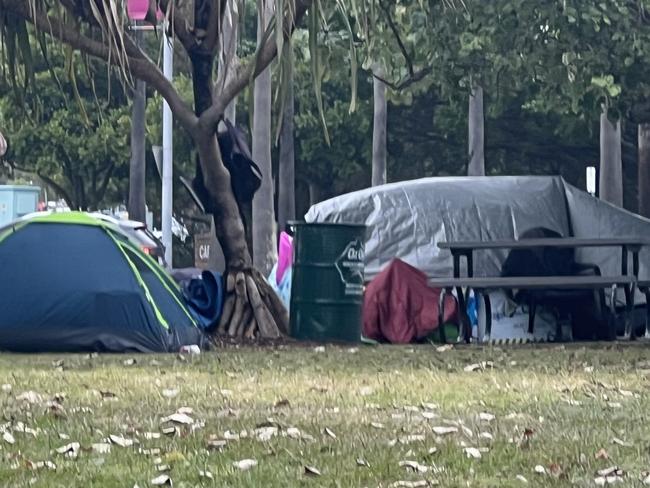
611,165
380,119
644,169
137,203
314,193
476,140
264,247
287,176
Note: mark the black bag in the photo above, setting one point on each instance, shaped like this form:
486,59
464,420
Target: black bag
245,175
539,261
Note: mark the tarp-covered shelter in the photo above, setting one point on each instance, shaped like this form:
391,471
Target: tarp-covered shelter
406,220
71,282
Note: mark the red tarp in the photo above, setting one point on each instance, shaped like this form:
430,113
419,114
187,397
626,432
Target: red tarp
400,307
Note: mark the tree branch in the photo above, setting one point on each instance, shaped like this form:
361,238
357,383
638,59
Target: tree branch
406,82
140,67
180,25
402,47
250,70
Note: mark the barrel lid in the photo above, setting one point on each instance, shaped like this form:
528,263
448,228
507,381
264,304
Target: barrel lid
296,223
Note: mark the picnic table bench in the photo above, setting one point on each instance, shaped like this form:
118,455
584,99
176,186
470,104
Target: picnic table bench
595,282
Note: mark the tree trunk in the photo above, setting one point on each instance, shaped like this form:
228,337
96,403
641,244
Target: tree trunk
137,203
264,248
476,165
644,169
251,308
314,193
611,166
379,121
287,185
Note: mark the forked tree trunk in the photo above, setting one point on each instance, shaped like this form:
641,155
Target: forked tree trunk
644,169
137,203
286,177
251,307
476,144
611,165
379,121
264,247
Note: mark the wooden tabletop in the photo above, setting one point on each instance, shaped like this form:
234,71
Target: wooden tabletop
566,242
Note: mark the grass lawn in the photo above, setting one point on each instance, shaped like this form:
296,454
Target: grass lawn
351,414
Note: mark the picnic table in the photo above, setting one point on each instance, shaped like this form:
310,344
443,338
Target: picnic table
628,245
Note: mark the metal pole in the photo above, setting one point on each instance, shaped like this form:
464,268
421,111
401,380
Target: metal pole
167,173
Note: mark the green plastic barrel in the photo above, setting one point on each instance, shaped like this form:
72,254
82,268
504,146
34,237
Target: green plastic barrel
327,283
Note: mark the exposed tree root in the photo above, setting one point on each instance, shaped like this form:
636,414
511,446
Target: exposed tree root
251,309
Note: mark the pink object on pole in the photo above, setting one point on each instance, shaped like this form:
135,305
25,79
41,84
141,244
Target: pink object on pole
137,9
285,255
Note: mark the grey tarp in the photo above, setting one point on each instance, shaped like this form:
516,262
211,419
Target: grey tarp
408,219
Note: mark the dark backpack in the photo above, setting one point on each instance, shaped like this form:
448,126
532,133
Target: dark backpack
245,175
539,261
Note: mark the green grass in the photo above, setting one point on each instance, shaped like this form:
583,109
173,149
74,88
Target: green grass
576,400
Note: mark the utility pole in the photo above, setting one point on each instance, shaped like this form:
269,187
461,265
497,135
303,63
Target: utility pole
167,146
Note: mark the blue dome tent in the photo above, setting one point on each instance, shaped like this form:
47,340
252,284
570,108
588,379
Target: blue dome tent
71,282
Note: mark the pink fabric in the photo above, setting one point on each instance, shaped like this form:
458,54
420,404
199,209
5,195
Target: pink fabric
400,307
137,9
285,255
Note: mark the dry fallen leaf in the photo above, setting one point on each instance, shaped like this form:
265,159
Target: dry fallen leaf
602,454
216,444
409,484
362,462
30,397
264,434
245,464
206,474
472,452
42,464
70,450
555,470
612,470
311,471
178,418
412,438
479,366
414,466
621,442
120,441
329,432
486,417
161,480
377,425
441,430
